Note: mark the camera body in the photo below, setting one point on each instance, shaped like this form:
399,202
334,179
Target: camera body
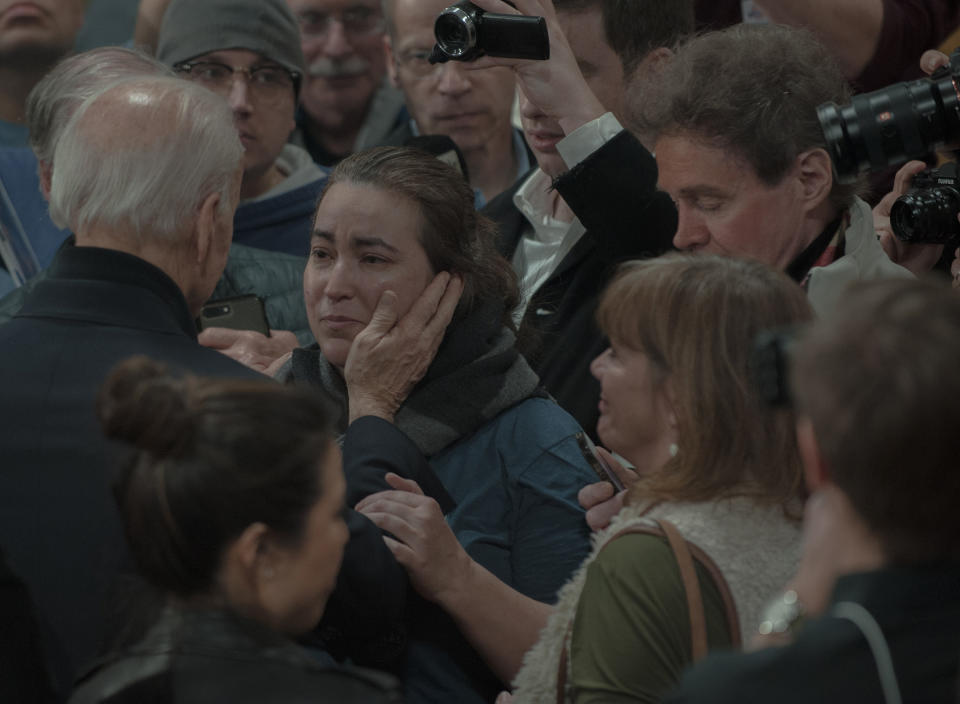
928,213
894,124
465,32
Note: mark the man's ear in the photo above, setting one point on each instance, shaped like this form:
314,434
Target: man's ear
650,65
815,470
391,61
815,175
205,230
45,173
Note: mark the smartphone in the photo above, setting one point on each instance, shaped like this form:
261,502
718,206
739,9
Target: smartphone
237,313
597,462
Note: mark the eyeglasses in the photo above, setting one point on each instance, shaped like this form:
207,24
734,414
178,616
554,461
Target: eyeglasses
357,21
266,83
416,62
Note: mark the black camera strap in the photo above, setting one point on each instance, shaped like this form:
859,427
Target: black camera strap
801,266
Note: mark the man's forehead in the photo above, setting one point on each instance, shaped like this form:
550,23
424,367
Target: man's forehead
416,17
300,6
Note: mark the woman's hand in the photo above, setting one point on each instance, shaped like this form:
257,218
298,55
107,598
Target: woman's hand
602,501
438,566
391,354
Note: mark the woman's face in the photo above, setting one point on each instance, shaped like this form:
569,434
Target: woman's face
304,574
636,420
365,241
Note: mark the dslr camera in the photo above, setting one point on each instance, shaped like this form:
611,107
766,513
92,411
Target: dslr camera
465,32
894,124
928,213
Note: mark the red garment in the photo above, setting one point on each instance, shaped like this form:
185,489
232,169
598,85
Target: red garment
910,27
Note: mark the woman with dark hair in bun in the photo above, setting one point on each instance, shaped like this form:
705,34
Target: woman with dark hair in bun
232,505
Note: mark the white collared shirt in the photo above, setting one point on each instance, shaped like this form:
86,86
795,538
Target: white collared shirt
547,240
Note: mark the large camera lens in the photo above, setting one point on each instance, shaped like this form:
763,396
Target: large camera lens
894,124
928,216
455,31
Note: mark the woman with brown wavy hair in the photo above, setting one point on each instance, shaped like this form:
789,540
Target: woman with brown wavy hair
715,464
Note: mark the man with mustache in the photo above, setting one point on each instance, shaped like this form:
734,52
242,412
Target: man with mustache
34,36
346,104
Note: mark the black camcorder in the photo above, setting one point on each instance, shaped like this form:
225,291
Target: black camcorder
928,213
894,124
465,32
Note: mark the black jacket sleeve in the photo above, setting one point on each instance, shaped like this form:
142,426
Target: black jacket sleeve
365,615
614,194
372,447
22,661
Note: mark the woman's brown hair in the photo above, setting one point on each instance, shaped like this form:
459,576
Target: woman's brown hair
696,317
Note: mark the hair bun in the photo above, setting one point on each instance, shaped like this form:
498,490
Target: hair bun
142,404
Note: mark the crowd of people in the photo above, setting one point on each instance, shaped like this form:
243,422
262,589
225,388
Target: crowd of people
331,373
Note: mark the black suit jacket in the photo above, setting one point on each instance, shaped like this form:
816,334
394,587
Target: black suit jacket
58,521
613,193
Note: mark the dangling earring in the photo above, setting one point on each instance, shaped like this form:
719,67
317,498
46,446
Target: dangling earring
673,449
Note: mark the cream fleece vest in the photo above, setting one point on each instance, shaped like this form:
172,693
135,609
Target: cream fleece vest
757,549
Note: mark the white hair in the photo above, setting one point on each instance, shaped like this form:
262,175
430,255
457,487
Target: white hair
53,100
143,155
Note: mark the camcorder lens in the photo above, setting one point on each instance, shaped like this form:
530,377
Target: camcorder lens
453,34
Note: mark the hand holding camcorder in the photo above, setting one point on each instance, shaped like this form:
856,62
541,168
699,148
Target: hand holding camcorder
465,32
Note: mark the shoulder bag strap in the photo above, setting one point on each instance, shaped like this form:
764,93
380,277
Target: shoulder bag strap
684,553
562,672
733,619
867,624
691,585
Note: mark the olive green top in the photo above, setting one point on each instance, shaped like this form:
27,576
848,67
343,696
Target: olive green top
631,634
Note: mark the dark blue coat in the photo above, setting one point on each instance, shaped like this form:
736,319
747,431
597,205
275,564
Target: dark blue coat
58,524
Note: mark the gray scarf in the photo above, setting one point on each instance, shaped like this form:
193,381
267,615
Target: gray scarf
477,374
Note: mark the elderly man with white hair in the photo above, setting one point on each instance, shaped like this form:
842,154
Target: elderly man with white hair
275,277
147,176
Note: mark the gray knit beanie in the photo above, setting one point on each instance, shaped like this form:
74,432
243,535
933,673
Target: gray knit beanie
192,28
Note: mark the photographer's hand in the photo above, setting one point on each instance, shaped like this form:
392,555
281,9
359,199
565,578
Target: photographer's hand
916,258
556,85
932,60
